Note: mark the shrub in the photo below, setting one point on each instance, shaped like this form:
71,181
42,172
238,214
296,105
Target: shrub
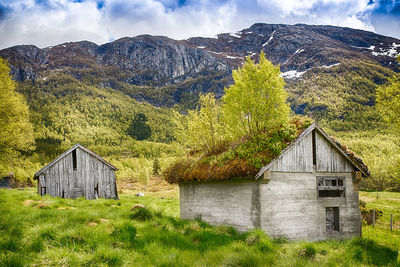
308,251
367,214
142,214
259,239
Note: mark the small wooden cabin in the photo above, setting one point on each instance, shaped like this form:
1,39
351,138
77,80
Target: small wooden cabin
309,192
78,172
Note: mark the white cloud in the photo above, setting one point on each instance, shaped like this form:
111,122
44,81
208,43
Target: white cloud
51,22
151,17
61,22
348,13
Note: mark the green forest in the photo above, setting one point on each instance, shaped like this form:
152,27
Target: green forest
41,119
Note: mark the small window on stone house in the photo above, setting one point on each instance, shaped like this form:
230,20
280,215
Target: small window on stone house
331,186
332,219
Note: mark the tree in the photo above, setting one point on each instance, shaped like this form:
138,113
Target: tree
256,102
201,129
388,100
138,128
388,104
156,166
16,132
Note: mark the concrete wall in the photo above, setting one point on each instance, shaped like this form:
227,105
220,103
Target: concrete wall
234,203
291,208
285,205
61,180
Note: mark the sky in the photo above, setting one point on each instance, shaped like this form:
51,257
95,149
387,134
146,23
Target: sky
50,22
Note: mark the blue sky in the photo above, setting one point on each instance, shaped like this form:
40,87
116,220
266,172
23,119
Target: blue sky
50,22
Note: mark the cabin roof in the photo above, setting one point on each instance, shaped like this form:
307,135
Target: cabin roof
192,169
349,155
69,151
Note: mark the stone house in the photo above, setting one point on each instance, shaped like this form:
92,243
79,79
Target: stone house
309,192
78,172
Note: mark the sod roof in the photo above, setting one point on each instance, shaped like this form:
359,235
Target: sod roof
199,169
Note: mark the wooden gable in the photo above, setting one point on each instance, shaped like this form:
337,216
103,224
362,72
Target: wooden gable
68,154
328,159
313,150
296,159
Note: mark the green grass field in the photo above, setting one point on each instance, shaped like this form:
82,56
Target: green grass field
46,231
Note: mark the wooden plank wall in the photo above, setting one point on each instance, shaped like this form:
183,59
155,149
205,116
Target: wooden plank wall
62,179
328,158
297,159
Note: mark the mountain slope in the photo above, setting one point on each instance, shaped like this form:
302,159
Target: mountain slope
331,72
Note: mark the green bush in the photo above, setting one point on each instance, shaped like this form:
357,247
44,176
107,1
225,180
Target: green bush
142,214
308,251
259,239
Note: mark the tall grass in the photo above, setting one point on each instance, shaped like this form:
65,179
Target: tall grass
50,231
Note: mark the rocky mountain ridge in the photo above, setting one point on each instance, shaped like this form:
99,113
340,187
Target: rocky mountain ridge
165,72
160,60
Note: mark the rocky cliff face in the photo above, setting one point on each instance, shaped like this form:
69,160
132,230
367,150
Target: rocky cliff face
164,71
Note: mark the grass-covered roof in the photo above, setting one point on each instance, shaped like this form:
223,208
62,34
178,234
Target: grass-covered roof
244,159
239,159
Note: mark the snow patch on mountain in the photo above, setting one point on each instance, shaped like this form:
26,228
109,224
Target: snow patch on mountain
236,35
298,51
292,74
391,52
270,38
330,66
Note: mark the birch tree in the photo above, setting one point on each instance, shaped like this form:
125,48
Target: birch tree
256,102
16,132
201,129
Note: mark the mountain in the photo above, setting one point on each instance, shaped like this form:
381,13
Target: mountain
331,72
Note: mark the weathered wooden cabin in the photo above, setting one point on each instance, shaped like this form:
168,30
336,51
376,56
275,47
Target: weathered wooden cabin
309,192
78,172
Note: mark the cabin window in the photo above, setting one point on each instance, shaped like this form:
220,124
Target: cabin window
43,191
332,219
331,186
74,163
314,150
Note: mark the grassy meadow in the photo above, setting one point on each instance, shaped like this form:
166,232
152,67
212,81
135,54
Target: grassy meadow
47,231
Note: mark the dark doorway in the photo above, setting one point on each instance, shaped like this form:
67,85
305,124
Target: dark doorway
332,219
96,191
